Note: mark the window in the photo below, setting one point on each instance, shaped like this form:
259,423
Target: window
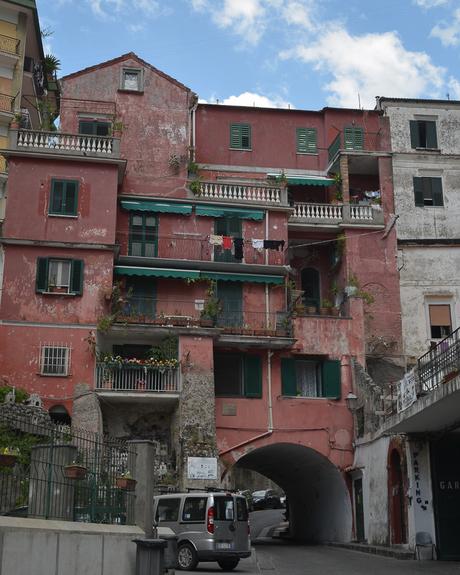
94,127
237,375
167,510
306,140
353,138
230,296
132,79
423,134
224,509
143,235
428,192
194,509
240,136
440,320
54,360
310,378
310,287
59,275
63,198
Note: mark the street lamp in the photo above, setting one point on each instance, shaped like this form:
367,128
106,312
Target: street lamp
351,401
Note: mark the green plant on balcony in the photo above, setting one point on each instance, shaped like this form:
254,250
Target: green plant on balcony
192,168
338,187
212,307
354,289
117,128
195,187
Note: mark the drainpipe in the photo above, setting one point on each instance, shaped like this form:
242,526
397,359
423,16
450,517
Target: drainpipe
270,411
193,121
267,301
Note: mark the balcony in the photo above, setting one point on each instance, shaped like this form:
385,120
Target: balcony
137,379
188,247
336,215
240,193
9,44
429,399
6,103
354,140
67,144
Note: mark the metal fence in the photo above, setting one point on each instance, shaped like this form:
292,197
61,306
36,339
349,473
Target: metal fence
52,472
437,364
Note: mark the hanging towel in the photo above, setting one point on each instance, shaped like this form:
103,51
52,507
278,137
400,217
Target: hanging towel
215,240
238,248
258,244
227,242
274,244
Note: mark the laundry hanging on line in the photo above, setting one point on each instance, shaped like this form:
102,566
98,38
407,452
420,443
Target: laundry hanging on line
274,244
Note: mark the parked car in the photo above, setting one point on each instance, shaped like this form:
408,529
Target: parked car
210,526
248,496
266,499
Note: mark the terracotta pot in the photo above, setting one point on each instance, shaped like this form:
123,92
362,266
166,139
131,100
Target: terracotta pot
7,460
335,311
324,311
311,310
75,471
206,322
126,483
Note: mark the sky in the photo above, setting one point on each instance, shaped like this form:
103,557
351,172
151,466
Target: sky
304,54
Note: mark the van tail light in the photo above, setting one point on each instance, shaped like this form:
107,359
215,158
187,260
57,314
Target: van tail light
210,520
249,528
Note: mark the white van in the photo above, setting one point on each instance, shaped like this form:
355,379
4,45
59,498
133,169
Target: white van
210,526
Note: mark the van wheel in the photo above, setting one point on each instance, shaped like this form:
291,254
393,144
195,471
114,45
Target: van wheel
228,564
187,559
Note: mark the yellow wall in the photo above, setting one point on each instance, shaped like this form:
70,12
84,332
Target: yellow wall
8,29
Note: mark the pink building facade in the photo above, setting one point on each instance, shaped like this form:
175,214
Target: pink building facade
205,277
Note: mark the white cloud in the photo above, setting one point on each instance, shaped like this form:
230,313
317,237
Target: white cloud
299,13
250,99
430,3
369,65
110,9
448,34
149,7
454,88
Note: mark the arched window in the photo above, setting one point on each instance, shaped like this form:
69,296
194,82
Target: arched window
59,414
310,287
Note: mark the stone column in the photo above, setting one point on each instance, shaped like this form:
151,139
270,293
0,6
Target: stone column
345,179
143,473
86,411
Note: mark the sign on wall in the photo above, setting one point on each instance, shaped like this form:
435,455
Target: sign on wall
202,468
406,391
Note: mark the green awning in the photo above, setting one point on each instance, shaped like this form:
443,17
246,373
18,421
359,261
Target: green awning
231,277
156,272
222,212
309,181
164,207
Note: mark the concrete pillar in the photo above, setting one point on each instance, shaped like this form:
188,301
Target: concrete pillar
86,411
143,473
345,179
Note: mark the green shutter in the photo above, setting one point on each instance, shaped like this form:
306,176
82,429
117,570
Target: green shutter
418,191
76,277
240,136
288,377
306,140
431,138
252,370
414,134
41,282
71,198
436,191
235,140
331,379
354,138
245,136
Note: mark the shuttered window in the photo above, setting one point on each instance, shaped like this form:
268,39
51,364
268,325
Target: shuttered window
423,134
306,140
63,198
353,138
310,378
440,320
237,375
94,127
59,276
240,136
428,192
143,235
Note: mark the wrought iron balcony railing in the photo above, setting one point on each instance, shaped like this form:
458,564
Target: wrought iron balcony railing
440,363
139,378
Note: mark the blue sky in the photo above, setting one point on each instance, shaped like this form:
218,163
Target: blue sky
305,54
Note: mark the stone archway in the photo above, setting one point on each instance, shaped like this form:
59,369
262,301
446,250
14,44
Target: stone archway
318,498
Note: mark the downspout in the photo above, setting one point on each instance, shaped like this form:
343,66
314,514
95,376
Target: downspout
267,300
192,128
270,411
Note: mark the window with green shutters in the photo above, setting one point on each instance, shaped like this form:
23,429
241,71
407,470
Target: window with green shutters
306,140
237,375
240,136
428,192
353,138
143,235
310,378
56,275
423,134
64,198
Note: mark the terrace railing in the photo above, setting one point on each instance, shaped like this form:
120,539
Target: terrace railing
230,191
77,144
348,214
437,364
126,378
56,472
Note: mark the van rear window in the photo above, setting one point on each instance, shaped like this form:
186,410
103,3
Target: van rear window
241,509
224,510
167,510
194,509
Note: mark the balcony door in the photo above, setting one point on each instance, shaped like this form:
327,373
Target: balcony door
230,227
310,287
142,299
230,296
143,235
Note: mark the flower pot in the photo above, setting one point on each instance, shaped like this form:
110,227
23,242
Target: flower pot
7,460
335,311
75,471
311,310
126,483
206,322
324,311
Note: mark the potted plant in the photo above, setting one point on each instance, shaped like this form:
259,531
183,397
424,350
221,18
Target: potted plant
195,187
8,456
326,306
125,481
15,123
117,129
75,470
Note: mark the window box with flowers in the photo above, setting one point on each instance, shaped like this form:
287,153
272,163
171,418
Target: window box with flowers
125,482
8,456
75,471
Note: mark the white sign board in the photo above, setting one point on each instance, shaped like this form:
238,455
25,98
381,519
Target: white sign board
202,468
406,391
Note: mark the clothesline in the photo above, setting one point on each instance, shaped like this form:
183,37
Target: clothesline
236,244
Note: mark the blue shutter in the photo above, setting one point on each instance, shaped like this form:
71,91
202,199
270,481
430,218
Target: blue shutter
252,376
288,377
332,381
